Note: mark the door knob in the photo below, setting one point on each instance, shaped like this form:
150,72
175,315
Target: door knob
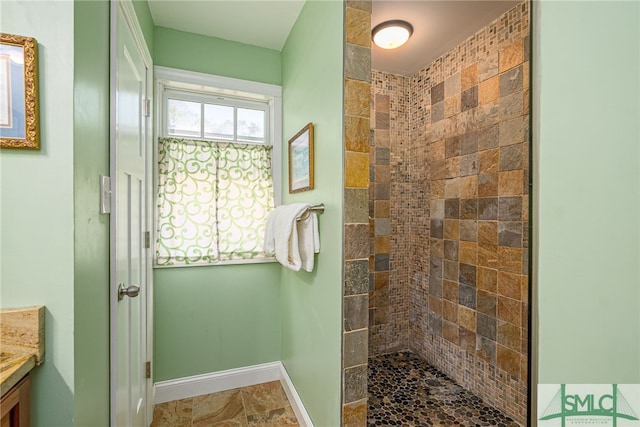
131,291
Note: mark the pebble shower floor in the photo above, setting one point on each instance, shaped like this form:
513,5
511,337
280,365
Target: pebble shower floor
406,391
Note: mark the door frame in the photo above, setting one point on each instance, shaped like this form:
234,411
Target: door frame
128,11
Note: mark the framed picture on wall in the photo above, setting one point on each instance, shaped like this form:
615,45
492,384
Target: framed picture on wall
301,160
19,121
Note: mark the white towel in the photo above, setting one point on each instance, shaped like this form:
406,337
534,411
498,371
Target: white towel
308,240
292,236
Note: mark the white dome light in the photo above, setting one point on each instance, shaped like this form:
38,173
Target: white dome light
392,34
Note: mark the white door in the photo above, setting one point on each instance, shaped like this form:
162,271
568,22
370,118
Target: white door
128,226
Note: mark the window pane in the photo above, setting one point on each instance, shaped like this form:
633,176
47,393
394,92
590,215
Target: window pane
218,122
250,125
183,118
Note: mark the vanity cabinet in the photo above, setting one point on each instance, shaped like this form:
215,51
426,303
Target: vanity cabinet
15,405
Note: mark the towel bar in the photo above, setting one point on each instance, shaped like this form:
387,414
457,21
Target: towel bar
317,208
313,209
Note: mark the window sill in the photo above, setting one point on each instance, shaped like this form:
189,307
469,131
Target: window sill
221,263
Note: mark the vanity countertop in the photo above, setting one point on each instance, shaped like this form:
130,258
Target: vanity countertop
14,366
22,343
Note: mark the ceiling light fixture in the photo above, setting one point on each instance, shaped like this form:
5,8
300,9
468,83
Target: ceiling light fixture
391,34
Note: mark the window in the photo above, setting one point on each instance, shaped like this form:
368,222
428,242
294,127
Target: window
218,119
217,151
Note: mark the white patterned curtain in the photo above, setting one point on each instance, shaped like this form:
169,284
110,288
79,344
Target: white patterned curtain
213,201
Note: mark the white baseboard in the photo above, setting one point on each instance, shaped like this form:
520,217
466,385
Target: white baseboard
294,398
184,388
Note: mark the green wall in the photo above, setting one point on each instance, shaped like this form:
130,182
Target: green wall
55,244
311,302
36,196
217,317
91,234
193,52
208,319
587,147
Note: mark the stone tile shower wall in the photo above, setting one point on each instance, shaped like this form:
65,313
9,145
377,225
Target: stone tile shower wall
357,89
389,227
458,285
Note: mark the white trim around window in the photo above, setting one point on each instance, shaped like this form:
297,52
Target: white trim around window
201,82
171,79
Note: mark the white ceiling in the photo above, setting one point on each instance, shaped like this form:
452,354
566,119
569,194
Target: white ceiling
438,25
264,23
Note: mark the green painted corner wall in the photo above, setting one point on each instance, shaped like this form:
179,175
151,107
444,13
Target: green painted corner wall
217,317
36,197
188,51
587,190
312,76
209,319
91,233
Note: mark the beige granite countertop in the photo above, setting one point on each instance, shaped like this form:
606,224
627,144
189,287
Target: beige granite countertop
21,343
14,366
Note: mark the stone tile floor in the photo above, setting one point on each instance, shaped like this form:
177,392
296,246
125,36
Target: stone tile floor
406,391
263,405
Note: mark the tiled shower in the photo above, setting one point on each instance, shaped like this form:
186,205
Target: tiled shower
448,202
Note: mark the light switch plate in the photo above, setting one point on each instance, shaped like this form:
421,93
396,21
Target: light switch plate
105,194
